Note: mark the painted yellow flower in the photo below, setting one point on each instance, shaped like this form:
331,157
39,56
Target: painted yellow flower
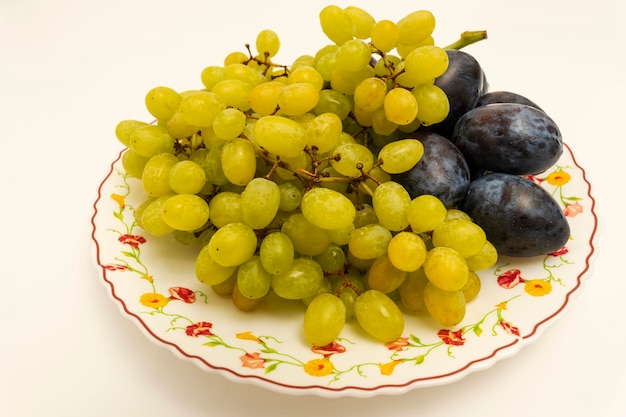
538,287
148,278
153,299
119,199
318,367
558,178
502,306
248,336
387,368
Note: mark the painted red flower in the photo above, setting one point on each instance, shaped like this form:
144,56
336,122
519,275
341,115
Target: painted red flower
560,252
535,179
252,360
182,294
398,344
329,349
450,337
509,328
132,240
510,278
116,267
202,328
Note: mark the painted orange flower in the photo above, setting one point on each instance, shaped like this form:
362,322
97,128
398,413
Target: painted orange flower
248,336
450,337
387,368
153,299
573,210
119,199
252,360
329,350
398,344
558,178
318,367
538,287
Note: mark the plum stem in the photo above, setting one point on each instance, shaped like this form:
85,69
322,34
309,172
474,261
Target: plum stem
467,38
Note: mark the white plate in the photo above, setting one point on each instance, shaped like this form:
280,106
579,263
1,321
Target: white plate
153,282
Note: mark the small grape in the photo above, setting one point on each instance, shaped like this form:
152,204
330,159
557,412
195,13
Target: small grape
379,315
324,319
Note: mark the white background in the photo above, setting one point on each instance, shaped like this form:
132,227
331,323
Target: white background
70,70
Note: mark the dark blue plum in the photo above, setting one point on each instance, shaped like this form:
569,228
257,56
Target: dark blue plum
508,137
505,97
441,172
519,217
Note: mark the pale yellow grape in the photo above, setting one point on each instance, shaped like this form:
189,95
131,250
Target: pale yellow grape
238,160
211,75
388,65
264,97
351,155
224,208
236,57
150,140
401,155
229,123
332,101
260,202
379,316
280,135
186,177
276,252
362,20
464,236
369,241
152,217
416,26
234,93
381,124
244,73
485,258
385,34
472,287
210,272
364,118
400,106
353,55
446,268
307,238
324,319
185,212
253,281
306,74
233,244
424,64
211,161
267,43
453,213
200,108
327,209
162,102
290,196
404,49
433,105
125,128
341,236
336,24
329,49
301,161
244,303
155,178
407,251
446,307
346,81
391,202
302,279
179,128
411,291
140,209
298,98
133,164
425,213
376,177
384,276
339,186
302,61
370,94
326,65
324,132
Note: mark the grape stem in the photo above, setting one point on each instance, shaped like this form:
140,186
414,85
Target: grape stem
467,38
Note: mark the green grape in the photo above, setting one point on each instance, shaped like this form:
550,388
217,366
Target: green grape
336,24
404,49
465,236
186,177
232,244
327,209
290,196
162,102
348,293
155,178
407,251
472,288
324,319
401,155
332,101
415,27
341,237
379,316
139,211
381,124
229,123
346,81
150,140
353,55
411,291
324,132
211,75
446,268
125,128
280,136
362,20
276,253
178,128
307,238
260,202
326,65
226,287
432,104
211,162
133,164
391,202
306,74
370,94
298,98
369,241
253,280
351,156
185,212
206,235
185,237
234,93
236,57
424,64
224,208
365,215
388,66
446,307
201,107
384,276
210,272
152,217
485,258
400,106
385,34
302,61
425,213
245,73
333,259
238,160
325,288
264,97
244,303
302,279
267,43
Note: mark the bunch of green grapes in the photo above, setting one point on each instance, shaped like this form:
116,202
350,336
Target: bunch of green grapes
280,177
